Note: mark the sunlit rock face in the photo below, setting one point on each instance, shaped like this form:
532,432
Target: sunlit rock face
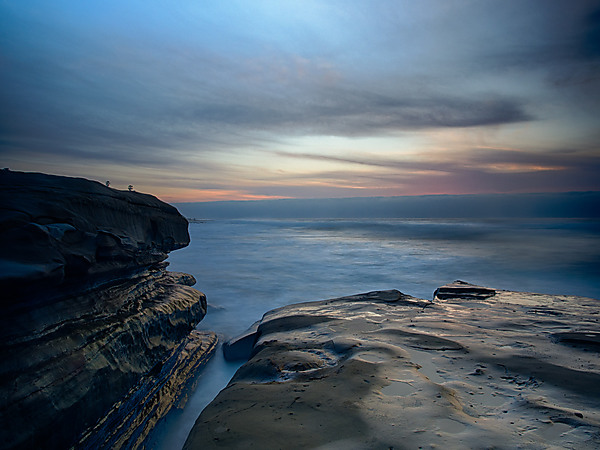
88,307
474,368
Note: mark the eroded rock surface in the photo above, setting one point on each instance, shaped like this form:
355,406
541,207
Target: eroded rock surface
478,368
89,310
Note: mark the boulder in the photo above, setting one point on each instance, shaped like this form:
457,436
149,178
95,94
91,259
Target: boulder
464,290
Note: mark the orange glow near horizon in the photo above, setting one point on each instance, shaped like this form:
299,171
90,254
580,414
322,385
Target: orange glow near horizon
214,195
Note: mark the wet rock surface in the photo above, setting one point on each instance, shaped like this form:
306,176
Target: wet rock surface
385,370
89,310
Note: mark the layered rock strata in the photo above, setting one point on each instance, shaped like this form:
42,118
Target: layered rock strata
475,368
130,421
90,315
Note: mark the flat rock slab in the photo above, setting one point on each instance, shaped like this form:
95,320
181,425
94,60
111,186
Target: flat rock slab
479,368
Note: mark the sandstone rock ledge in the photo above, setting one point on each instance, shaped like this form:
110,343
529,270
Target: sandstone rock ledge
475,368
93,328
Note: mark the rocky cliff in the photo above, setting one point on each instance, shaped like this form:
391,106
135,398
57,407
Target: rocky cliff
475,368
90,315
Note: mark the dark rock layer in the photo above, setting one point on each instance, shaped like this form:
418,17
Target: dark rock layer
88,308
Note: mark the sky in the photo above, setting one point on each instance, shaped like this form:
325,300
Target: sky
246,100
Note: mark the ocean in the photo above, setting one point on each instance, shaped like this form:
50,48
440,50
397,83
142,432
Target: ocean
248,267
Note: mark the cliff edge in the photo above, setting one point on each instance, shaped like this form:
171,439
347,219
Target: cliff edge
90,317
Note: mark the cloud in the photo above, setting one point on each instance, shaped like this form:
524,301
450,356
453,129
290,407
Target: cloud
478,170
343,111
110,98
480,158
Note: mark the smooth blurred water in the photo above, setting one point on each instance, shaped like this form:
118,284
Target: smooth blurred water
247,267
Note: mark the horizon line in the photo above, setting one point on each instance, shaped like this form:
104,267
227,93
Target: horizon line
386,197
